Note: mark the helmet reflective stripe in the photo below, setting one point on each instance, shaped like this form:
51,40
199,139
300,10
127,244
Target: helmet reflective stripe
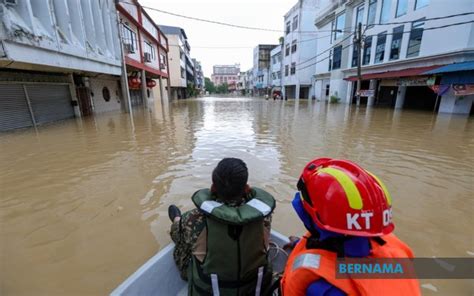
210,205
384,189
352,193
260,206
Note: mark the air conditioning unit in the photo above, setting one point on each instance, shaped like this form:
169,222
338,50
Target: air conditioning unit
147,57
10,2
128,48
162,66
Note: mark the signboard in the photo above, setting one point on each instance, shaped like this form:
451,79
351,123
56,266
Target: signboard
367,92
463,89
415,81
440,89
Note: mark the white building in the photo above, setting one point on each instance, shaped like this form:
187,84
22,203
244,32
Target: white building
181,68
402,42
52,50
276,68
261,68
299,46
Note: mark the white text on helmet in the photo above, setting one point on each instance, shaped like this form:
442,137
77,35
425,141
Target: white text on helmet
354,221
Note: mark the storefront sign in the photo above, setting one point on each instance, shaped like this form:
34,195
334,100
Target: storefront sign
415,81
463,89
367,92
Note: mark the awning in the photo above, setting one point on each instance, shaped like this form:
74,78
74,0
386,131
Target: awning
395,74
466,66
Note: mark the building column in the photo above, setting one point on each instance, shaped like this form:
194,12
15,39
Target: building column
161,89
350,89
72,90
144,92
372,86
297,91
400,97
455,104
168,86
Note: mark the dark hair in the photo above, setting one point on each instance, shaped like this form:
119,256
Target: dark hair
230,178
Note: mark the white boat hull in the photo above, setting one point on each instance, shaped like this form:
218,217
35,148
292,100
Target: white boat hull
160,276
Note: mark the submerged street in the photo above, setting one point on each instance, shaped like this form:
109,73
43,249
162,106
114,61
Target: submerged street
83,202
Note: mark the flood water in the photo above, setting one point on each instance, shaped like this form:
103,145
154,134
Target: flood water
83,203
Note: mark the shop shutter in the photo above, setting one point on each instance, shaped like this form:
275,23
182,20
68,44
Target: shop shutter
14,111
50,102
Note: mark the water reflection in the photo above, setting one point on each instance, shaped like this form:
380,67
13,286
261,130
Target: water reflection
83,202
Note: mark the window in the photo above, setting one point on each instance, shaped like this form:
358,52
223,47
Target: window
293,68
421,3
182,73
279,74
359,14
150,49
106,94
380,48
129,37
327,89
371,12
339,26
295,23
355,55
288,27
287,49
286,70
367,50
416,35
336,57
293,46
162,61
385,13
396,43
402,7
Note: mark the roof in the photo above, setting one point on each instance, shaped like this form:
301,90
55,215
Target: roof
395,74
466,66
173,30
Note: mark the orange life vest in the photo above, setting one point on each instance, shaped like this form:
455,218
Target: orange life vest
296,279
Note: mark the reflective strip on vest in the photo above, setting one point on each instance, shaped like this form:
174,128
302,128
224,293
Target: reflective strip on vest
260,206
210,205
259,281
307,260
215,284
352,193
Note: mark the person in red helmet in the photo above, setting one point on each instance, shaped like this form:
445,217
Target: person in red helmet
348,214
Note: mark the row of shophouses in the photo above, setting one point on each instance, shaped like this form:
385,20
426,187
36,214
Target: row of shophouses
61,59
416,54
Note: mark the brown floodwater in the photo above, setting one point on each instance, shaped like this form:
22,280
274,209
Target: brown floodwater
83,203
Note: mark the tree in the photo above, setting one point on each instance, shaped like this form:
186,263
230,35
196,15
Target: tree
223,88
209,85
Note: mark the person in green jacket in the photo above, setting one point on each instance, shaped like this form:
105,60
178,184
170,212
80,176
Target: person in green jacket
222,244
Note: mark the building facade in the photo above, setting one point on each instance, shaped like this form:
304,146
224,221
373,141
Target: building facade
58,59
403,44
261,68
276,68
145,53
198,77
180,65
299,44
226,74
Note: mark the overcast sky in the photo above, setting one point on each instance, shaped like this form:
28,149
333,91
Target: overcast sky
253,13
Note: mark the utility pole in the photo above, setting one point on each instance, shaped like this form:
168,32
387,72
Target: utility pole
358,43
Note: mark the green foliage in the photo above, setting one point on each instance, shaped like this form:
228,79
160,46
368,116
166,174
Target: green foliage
334,100
223,88
209,85
191,90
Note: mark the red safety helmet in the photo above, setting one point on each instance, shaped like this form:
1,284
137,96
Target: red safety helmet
342,197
